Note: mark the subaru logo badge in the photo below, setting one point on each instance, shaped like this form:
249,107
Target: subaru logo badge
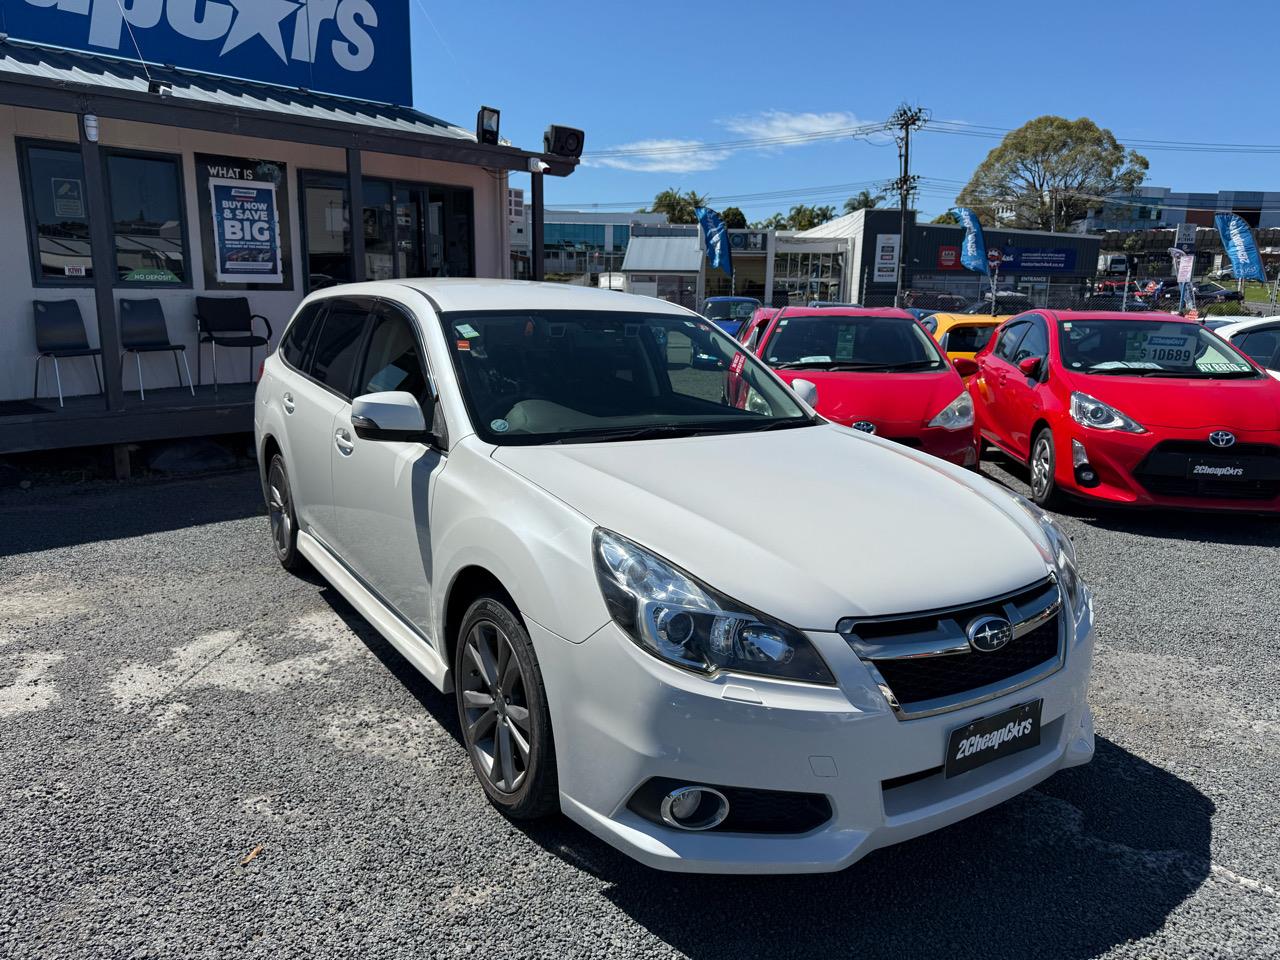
865,426
1222,438
989,634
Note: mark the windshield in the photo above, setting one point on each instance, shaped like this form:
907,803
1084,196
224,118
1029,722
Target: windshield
531,377
730,309
1148,348
851,343
967,339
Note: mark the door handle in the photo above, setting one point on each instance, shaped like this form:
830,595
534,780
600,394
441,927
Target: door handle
286,401
342,440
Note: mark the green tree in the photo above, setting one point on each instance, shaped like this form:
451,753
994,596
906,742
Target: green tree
804,217
1045,174
679,207
733,218
775,222
864,200
947,217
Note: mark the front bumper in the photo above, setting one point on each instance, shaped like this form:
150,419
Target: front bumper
1127,473
955,446
622,717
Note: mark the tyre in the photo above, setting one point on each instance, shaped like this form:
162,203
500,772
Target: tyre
1043,464
502,709
284,520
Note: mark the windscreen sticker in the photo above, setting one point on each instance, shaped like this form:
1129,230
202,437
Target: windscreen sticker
499,426
467,330
464,344
1162,348
844,342
737,363
818,359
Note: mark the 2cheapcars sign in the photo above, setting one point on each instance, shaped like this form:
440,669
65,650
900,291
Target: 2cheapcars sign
356,48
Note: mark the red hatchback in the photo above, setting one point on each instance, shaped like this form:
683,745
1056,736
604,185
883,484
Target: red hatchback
876,370
1131,408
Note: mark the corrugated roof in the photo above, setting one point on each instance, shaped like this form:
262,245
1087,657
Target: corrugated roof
663,255
86,69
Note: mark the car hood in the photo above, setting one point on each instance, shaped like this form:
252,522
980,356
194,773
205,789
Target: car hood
885,399
1188,404
822,522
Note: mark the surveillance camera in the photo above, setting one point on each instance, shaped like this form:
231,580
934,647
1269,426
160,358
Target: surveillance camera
538,166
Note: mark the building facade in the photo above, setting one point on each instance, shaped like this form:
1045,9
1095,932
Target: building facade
581,245
1154,207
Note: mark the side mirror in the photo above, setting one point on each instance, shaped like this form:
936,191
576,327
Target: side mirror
807,391
966,367
394,415
1030,368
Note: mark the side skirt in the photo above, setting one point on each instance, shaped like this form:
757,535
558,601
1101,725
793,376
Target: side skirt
411,644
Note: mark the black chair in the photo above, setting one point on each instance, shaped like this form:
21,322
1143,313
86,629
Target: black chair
228,322
60,334
143,330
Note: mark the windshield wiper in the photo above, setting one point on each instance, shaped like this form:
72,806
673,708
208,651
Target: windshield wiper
806,365
655,432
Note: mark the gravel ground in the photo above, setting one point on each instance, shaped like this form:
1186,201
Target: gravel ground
204,757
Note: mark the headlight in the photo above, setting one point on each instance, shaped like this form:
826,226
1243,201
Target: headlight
1064,556
1092,412
957,415
674,617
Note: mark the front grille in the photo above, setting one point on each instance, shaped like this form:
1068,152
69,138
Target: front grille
1165,471
923,661
928,678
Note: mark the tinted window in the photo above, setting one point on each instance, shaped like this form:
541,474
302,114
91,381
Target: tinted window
58,215
338,345
147,217
968,339
1262,345
1148,348
392,361
1009,340
1034,344
294,343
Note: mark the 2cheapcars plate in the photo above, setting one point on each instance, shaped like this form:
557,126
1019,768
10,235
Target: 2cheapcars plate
991,738
1217,468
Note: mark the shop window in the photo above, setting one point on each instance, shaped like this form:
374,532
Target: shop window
57,215
148,219
327,225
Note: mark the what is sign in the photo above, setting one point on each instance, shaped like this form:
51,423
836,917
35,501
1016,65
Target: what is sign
246,226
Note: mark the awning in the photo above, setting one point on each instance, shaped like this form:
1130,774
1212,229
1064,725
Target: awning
663,255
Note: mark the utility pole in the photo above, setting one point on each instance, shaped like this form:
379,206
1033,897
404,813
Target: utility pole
904,120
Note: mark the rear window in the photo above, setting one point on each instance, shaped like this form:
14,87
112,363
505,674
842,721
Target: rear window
294,343
968,339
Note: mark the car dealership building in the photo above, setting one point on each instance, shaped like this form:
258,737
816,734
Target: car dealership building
133,190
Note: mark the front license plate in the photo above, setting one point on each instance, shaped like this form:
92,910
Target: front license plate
993,737
1216,469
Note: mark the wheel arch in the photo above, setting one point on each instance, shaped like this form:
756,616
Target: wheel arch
469,584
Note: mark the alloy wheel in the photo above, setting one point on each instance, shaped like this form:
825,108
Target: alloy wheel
1041,466
279,508
495,707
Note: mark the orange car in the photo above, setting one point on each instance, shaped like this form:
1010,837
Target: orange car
962,335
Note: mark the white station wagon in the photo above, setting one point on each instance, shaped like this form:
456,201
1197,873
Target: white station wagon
723,636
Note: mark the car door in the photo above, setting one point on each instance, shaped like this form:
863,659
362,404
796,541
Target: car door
1021,396
994,370
382,489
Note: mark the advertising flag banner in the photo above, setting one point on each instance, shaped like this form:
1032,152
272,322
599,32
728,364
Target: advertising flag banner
716,236
1237,238
246,232
973,252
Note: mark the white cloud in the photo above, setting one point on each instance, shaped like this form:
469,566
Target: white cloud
778,123
659,156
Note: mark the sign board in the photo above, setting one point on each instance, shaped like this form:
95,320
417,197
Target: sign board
748,241
886,258
949,258
1184,236
68,198
1043,260
354,48
246,232
995,258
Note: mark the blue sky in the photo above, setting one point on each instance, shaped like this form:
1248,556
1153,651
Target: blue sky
707,72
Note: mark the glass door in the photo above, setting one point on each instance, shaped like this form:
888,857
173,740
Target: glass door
327,224
411,203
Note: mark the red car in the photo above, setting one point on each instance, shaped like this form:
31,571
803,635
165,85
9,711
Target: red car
876,370
1131,408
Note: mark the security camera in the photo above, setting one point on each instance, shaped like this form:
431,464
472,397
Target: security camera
538,166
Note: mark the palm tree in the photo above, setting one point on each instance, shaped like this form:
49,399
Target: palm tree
865,200
679,207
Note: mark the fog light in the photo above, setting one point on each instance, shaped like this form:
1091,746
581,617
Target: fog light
694,808
1086,476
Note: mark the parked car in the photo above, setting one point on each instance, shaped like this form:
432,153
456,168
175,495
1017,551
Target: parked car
876,370
505,479
1257,337
933,300
926,317
962,335
1142,409
1007,302
751,331
729,313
